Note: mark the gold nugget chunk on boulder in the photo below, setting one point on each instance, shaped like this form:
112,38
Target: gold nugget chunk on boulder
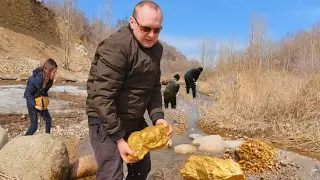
256,156
150,138
208,168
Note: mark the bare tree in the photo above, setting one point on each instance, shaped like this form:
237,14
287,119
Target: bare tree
207,52
98,31
121,22
69,5
257,50
108,14
101,27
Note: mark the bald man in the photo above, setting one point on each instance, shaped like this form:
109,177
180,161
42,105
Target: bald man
124,82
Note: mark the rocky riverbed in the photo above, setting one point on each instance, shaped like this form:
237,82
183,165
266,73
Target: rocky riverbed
67,108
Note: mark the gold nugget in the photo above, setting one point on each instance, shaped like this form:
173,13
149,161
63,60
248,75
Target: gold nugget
208,168
150,138
256,156
42,101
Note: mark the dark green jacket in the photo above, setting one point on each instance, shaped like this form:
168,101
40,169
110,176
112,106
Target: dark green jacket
172,88
124,82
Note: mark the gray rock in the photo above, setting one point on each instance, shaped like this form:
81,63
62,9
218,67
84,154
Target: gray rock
212,143
197,141
185,149
194,136
3,137
37,157
85,148
233,144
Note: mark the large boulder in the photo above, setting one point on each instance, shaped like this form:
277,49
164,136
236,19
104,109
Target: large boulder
86,163
85,148
83,166
36,157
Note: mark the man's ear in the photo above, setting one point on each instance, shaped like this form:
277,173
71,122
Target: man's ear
131,22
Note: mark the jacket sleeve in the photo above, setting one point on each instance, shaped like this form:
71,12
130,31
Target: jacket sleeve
178,87
155,104
30,91
196,74
109,76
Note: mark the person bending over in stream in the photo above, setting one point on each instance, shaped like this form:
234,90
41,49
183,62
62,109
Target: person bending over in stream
38,86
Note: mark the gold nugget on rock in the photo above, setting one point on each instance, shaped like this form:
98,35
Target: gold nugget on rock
208,168
150,138
256,156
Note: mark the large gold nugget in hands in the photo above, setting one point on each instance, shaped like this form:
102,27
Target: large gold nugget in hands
42,101
150,138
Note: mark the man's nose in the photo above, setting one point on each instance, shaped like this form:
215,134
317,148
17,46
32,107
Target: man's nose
151,34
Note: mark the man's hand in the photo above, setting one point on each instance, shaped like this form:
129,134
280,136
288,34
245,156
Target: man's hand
164,122
38,107
124,150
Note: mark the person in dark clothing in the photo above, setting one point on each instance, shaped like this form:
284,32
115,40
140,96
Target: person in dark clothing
38,85
124,82
170,92
36,1
191,78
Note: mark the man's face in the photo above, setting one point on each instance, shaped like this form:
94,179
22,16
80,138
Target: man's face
147,26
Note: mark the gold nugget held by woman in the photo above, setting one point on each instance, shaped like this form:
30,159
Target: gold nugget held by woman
150,138
42,101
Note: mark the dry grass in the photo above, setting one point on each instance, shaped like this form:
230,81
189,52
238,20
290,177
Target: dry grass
268,90
281,106
7,177
206,87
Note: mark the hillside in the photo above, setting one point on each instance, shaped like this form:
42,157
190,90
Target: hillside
20,54
32,32
30,18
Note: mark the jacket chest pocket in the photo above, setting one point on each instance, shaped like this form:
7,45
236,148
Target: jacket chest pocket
144,65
